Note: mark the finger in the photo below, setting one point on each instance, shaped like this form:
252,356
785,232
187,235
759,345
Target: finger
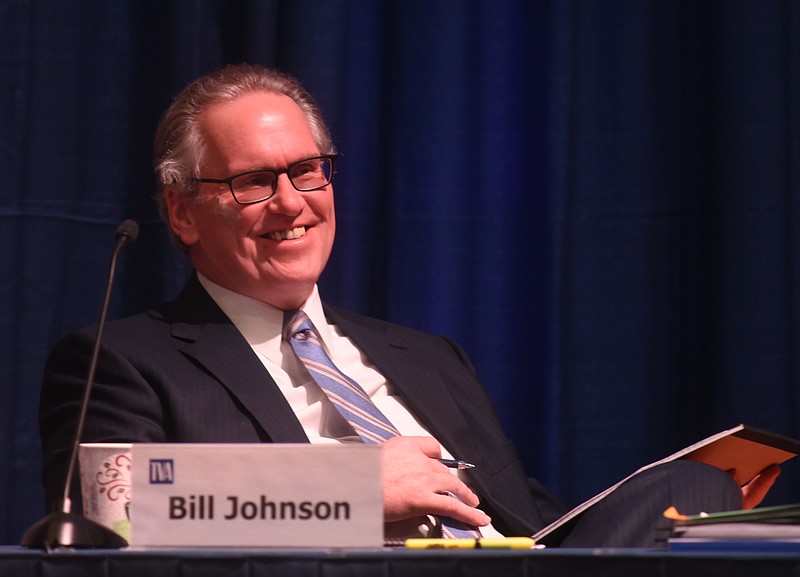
463,495
447,483
428,446
755,491
450,506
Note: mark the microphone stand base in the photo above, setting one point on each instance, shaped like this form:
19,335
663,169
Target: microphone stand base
69,530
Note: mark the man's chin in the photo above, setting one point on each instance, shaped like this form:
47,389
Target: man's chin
284,294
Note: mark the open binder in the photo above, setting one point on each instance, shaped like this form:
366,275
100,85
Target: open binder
744,450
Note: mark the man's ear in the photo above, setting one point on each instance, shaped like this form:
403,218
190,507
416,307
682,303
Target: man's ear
181,215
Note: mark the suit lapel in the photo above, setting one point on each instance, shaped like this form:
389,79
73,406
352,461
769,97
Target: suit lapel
209,337
422,385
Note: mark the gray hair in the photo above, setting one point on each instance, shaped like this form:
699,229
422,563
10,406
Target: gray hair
179,147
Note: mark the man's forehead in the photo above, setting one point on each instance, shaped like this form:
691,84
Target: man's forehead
238,133
257,120
260,104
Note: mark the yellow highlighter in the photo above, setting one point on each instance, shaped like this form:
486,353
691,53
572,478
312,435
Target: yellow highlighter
482,543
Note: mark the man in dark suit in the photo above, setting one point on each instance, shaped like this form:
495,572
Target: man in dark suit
245,163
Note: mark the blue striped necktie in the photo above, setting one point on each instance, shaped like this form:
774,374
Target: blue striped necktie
347,396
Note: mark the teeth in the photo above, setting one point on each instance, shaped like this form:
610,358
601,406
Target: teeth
289,234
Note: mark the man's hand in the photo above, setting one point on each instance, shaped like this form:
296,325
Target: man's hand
414,483
755,491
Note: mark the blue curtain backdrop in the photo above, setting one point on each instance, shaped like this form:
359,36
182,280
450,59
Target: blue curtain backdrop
597,199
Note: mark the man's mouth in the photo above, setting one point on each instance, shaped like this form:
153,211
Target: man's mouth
289,234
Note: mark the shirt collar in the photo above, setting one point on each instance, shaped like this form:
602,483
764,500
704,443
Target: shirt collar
260,323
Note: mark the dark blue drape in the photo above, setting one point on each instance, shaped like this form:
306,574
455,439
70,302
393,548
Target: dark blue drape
597,199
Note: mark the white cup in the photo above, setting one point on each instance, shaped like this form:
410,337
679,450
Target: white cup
106,485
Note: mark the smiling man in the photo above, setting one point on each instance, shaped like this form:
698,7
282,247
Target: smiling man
245,166
266,239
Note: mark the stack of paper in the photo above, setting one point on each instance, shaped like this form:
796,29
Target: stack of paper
762,529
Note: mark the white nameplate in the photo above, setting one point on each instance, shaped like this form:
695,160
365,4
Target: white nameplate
256,495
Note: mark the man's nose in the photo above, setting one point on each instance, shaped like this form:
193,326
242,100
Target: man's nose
287,198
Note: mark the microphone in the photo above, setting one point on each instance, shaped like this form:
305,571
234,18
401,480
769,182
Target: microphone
63,528
127,232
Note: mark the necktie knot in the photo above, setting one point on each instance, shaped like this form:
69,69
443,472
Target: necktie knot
296,324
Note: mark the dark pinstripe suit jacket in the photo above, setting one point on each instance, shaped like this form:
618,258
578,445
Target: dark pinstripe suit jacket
184,373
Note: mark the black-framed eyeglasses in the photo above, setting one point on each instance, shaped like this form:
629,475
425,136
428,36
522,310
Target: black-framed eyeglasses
260,185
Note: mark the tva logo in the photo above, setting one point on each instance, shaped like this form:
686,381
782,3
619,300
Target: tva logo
162,471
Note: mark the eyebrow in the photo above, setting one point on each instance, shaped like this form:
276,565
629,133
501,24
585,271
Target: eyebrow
262,167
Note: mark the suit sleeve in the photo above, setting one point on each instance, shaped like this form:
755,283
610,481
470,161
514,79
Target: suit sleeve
123,407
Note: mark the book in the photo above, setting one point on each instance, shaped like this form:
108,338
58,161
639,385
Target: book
761,529
743,451
776,515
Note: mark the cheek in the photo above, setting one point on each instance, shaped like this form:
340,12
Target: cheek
332,219
332,225
227,213
325,209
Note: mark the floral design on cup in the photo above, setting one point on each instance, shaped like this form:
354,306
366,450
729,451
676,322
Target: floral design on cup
113,480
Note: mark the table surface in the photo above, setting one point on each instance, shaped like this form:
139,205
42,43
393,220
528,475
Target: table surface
239,562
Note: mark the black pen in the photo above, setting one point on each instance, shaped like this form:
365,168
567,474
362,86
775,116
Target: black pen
456,464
